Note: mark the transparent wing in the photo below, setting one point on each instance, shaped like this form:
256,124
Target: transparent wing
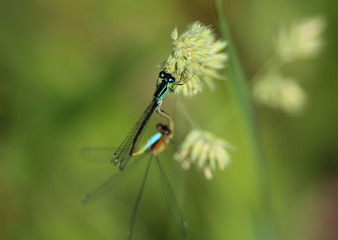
97,154
112,182
124,152
171,201
132,221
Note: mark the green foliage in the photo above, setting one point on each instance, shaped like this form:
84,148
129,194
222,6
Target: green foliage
77,74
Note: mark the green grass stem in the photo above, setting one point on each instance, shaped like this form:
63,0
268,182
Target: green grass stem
238,86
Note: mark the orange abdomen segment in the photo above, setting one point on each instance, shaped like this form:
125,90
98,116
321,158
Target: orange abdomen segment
159,146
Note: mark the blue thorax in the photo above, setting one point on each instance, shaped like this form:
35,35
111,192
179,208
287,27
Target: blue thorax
153,140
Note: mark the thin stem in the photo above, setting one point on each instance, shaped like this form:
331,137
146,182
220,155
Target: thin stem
241,96
271,65
186,115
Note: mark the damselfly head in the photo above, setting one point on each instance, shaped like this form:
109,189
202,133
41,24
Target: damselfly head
167,76
162,74
163,129
171,79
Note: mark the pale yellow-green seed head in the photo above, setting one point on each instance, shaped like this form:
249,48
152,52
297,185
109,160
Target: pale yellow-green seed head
302,40
205,150
197,56
278,92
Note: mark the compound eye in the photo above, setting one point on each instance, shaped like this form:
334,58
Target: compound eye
159,126
162,74
171,79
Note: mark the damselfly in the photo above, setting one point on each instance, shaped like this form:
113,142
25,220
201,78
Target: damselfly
127,147
155,145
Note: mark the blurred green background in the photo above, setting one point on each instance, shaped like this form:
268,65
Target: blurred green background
79,73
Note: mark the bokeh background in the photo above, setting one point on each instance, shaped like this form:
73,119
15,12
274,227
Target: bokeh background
79,73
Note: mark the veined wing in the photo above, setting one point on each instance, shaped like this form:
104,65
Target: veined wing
124,152
97,154
137,203
171,201
112,182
